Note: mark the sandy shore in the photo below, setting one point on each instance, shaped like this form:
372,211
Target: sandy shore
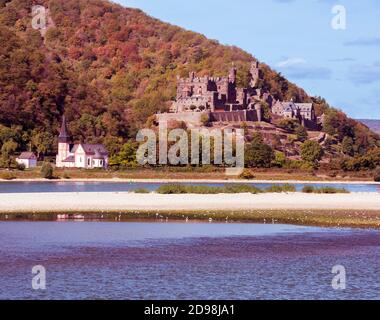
122,201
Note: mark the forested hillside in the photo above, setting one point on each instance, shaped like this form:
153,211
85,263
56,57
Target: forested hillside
108,69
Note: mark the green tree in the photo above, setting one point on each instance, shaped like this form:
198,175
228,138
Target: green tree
348,146
126,157
42,142
7,150
289,125
311,152
47,171
258,154
280,159
301,133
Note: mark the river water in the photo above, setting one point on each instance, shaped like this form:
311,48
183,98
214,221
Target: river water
72,186
151,260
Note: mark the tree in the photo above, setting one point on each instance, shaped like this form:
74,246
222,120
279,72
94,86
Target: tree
377,175
311,152
47,171
126,157
7,150
348,146
301,133
289,125
42,142
280,159
258,154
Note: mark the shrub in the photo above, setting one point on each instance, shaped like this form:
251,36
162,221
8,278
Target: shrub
7,175
141,190
240,188
183,189
327,190
47,171
66,175
258,154
21,166
301,133
311,151
308,189
171,189
281,188
377,175
247,174
331,190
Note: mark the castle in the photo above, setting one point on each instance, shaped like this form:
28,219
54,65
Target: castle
223,101
82,155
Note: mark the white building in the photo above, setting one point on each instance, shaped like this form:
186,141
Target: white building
28,159
82,155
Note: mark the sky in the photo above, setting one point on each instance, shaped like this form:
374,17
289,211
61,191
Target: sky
331,48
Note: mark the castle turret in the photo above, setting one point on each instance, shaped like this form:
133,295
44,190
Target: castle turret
232,75
255,73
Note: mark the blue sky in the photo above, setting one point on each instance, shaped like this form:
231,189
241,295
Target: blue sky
296,38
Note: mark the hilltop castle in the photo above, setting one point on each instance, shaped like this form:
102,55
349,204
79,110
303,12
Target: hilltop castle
223,101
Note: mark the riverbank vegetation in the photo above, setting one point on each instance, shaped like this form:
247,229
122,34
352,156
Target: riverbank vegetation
194,173
326,190
233,188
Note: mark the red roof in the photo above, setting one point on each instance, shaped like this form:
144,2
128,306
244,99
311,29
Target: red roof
27,156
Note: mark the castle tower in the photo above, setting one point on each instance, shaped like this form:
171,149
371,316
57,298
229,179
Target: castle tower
63,144
255,73
232,75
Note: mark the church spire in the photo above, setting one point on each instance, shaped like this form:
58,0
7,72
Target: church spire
63,134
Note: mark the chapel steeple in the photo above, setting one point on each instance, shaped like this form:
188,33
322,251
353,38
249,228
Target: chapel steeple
63,133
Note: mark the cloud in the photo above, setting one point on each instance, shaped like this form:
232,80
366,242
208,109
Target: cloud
297,68
363,42
364,74
290,62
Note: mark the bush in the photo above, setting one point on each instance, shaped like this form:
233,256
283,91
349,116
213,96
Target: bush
21,166
281,188
377,175
240,188
308,189
141,190
7,175
66,175
311,152
258,154
47,171
183,189
171,189
247,174
327,190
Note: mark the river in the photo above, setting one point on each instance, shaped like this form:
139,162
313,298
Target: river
72,186
152,260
